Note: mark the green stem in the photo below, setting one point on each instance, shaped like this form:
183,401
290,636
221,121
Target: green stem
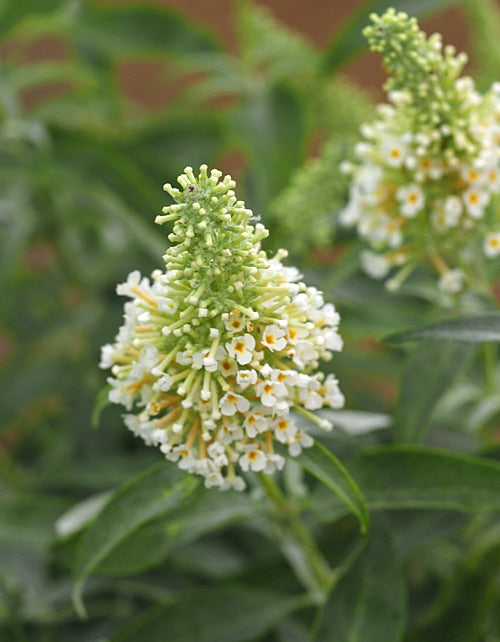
490,363
312,568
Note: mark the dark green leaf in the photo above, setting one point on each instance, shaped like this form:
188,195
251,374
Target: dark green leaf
213,510
100,160
145,548
368,604
191,139
479,328
420,477
465,609
232,614
270,127
216,558
14,12
23,572
26,534
9,598
158,491
292,630
414,530
330,471
431,370
154,541
349,41
28,520
140,30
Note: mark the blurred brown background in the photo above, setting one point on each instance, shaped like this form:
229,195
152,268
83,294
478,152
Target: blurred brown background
318,20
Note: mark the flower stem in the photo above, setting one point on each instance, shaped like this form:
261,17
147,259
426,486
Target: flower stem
298,546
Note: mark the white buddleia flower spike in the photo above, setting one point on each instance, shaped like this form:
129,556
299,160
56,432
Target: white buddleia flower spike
218,351
428,172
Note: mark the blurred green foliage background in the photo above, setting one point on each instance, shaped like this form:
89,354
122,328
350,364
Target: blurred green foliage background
81,170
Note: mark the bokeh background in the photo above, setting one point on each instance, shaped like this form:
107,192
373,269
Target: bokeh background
100,104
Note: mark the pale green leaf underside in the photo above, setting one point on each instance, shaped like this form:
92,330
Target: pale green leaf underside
157,491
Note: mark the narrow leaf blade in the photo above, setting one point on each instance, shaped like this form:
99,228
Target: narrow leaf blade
269,126
157,491
142,31
419,477
230,614
14,14
149,545
368,604
330,471
479,328
430,371
349,41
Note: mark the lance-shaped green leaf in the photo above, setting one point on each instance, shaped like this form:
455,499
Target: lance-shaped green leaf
420,477
98,160
14,14
39,73
479,328
230,614
431,370
471,601
211,511
140,30
157,491
349,41
269,125
330,471
368,604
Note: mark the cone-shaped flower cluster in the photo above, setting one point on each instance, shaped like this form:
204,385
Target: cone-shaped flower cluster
429,165
217,350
